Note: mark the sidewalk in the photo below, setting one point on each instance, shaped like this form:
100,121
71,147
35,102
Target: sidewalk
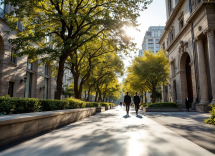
189,125
110,134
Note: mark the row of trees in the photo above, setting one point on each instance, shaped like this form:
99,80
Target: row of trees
84,35
147,73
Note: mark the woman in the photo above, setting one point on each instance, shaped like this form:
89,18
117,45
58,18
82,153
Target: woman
136,102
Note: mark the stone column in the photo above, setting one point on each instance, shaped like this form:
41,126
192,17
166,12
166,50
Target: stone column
211,51
202,72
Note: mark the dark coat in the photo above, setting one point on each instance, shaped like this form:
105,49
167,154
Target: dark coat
187,101
127,99
136,99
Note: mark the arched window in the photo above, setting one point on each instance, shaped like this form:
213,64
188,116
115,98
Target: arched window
29,64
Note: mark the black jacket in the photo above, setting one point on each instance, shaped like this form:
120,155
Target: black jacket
127,99
136,99
187,101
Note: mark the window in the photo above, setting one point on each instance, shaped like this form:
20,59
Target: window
46,69
45,91
164,45
151,45
11,88
181,23
151,48
12,57
29,64
157,40
28,85
148,33
150,40
170,6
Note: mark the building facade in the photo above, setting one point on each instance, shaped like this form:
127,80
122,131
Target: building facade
189,43
19,77
151,39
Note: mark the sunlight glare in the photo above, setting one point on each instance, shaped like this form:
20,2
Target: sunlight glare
130,31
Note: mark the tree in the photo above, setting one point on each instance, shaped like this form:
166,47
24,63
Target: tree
92,55
68,25
133,83
109,63
153,69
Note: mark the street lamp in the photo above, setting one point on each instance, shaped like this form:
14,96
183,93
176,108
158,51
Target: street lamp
24,80
42,88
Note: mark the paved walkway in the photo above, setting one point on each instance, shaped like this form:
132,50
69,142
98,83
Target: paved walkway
189,125
110,134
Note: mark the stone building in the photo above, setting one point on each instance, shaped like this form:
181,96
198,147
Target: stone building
189,42
18,76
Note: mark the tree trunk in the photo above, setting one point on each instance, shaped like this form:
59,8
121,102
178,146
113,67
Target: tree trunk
145,98
60,77
100,96
96,96
76,91
88,98
153,95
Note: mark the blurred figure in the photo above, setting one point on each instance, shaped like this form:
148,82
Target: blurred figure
187,101
136,102
127,102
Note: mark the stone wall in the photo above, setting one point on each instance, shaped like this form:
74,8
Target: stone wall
15,128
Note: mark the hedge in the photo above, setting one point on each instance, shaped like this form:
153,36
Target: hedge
49,105
211,119
107,104
162,104
10,105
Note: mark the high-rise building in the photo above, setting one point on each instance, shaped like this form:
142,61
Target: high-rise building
140,53
151,39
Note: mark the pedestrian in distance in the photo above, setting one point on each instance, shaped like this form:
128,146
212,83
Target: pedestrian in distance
136,102
187,101
127,102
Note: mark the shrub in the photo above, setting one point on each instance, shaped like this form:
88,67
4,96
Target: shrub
163,104
211,120
75,103
49,105
9,105
143,104
92,104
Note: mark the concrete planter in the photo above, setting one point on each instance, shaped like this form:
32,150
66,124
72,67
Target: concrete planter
100,109
15,128
160,109
107,107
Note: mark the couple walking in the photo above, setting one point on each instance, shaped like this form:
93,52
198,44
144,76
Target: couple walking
127,102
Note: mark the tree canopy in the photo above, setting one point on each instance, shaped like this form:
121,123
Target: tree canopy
58,28
148,71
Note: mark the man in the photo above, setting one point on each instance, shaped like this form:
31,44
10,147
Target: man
187,104
127,102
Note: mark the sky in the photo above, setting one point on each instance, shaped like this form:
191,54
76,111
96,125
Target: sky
155,15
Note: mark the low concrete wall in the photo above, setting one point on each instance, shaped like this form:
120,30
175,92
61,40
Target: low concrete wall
100,109
158,109
14,128
203,108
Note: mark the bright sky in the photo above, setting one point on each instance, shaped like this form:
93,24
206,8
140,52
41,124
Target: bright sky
155,15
